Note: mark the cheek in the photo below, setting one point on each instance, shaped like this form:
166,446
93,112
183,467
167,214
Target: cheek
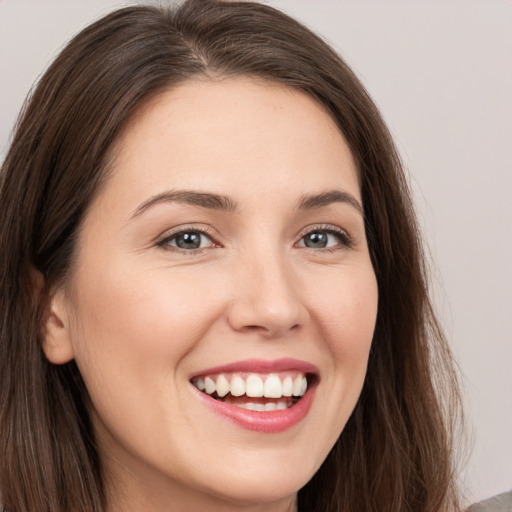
126,324
347,311
131,335
347,315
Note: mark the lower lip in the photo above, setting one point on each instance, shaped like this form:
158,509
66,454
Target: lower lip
265,421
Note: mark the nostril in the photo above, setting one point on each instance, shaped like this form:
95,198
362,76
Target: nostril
270,330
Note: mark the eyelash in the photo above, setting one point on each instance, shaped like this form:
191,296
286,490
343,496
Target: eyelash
165,242
345,241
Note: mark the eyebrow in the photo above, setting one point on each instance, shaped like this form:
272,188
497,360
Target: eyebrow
202,199
224,203
313,201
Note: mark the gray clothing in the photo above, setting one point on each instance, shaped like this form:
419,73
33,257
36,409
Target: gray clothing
499,503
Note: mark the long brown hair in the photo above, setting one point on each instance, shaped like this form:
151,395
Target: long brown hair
395,453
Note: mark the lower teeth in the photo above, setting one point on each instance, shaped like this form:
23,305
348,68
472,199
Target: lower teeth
272,406
259,406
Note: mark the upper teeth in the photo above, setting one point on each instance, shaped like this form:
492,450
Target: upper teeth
253,385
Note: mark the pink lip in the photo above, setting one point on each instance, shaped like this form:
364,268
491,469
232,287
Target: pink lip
267,421
261,366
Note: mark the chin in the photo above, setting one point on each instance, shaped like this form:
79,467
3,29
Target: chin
263,489
266,481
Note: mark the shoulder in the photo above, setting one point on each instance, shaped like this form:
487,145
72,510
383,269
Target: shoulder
499,503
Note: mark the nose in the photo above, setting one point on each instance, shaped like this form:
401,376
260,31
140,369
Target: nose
267,300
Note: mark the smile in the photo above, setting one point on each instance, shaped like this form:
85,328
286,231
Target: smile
259,395
238,389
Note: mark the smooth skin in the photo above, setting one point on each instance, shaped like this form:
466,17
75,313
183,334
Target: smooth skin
167,283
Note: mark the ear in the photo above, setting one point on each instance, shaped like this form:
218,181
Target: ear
57,344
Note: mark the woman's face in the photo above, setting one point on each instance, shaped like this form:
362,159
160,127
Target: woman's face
226,251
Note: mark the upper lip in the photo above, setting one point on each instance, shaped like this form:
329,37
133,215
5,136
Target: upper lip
261,366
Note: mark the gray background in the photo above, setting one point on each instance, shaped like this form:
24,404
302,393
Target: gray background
441,73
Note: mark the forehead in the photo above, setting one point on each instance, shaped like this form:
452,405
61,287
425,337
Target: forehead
234,133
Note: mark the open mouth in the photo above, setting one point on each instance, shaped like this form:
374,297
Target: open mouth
256,391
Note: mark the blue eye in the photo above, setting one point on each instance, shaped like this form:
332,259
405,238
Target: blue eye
325,239
188,240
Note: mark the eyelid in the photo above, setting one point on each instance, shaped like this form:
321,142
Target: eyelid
203,229
346,241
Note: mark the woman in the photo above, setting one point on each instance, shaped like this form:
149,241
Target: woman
213,291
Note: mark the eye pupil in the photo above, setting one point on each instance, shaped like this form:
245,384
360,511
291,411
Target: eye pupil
188,240
316,240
